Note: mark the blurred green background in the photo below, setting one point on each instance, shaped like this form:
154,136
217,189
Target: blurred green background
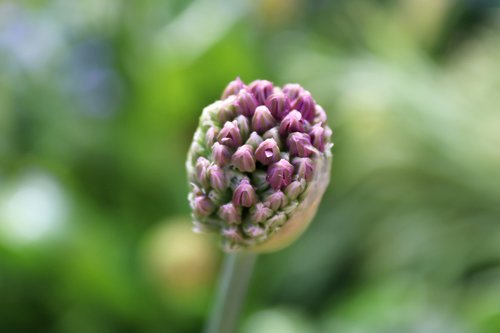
98,104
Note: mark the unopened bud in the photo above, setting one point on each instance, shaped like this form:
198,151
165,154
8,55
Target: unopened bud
243,159
244,195
291,123
279,174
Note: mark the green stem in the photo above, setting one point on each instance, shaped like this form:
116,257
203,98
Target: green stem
233,284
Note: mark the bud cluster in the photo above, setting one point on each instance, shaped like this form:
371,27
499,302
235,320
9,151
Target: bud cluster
252,160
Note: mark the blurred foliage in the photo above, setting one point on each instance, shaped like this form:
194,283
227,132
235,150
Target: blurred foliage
98,103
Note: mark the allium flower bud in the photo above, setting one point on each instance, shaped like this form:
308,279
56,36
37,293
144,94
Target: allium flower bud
279,174
254,140
293,90
230,214
262,119
258,165
268,152
243,125
221,154
218,179
294,189
304,167
246,103
233,88
261,89
305,105
243,159
203,206
291,123
299,144
279,105
244,195
230,135
317,134
276,200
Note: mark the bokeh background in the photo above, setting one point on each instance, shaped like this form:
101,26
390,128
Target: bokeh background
98,103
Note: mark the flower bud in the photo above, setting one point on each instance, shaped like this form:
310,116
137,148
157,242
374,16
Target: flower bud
295,188
304,167
232,233
273,133
279,174
253,230
320,117
230,135
243,159
243,125
267,152
276,200
211,136
305,105
276,221
259,180
226,113
261,89
221,154
217,178
203,206
262,119
293,90
254,140
299,144
244,195
291,123
260,213
317,135
233,88
278,105
245,103
230,213
202,165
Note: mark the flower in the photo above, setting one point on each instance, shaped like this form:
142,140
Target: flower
258,165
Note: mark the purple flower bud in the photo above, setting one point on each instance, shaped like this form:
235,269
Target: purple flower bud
299,144
259,180
279,174
243,125
291,123
202,206
262,119
320,115
305,105
295,188
279,105
227,111
243,159
217,178
211,136
317,135
230,213
260,213
230,135
254,140
253,230
304,167
274,134
233,88
221,154
202,165
267,152
261,89
276,200
232,233
293,90
244,195
245,103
